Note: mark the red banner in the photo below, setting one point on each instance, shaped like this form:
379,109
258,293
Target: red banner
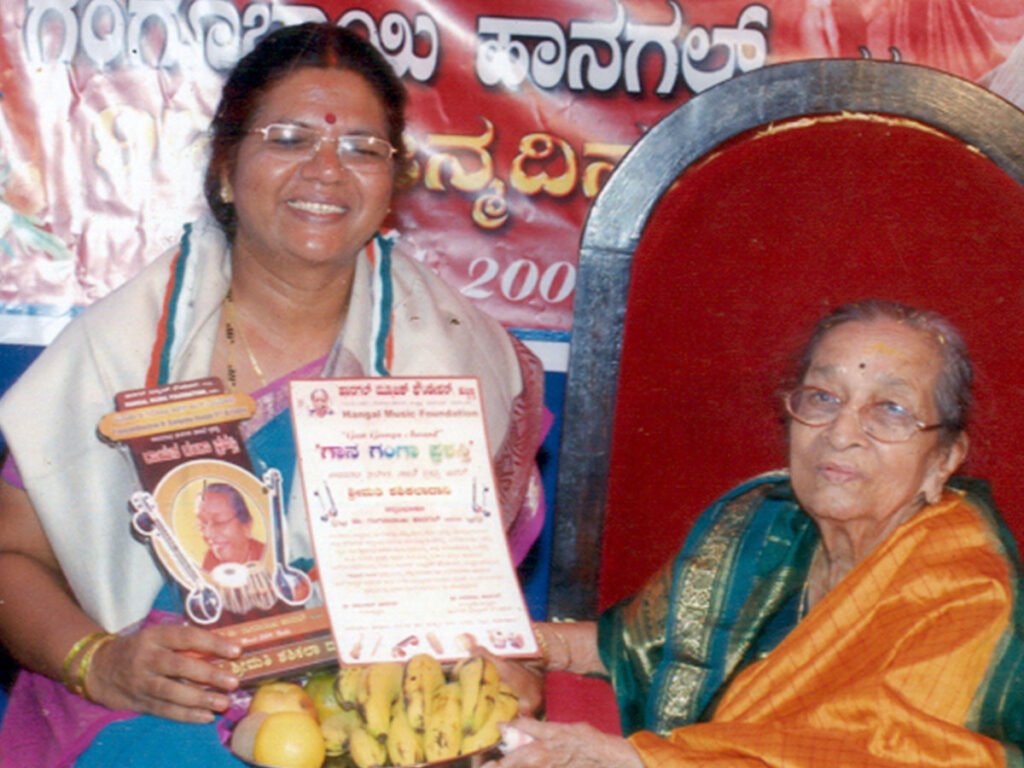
518,113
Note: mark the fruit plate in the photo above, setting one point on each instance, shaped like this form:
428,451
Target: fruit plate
472,760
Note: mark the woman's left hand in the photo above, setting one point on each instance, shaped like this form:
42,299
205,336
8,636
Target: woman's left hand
567,745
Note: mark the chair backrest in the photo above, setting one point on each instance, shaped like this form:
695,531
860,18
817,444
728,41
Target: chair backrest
724,234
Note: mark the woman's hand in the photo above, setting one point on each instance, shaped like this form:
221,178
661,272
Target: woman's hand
565,745
155,671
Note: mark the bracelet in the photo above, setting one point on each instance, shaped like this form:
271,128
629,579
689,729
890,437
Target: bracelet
69,659
568,649
542,644
86,664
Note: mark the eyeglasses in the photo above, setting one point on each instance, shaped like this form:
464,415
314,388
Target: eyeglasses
299,142
884,420
209,524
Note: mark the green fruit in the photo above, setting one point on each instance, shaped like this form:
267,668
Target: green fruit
321,689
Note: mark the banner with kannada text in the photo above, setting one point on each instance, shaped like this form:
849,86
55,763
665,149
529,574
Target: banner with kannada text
519,111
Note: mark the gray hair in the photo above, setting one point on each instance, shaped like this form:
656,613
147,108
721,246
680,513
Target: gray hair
953,397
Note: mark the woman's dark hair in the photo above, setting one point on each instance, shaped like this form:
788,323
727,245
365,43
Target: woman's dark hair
238,505
310,45
952,390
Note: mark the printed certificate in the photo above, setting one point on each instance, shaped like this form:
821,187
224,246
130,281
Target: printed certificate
407,532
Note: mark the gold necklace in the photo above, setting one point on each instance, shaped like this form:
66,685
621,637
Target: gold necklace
233,333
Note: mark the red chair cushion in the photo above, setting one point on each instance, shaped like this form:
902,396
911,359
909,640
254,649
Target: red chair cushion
739,260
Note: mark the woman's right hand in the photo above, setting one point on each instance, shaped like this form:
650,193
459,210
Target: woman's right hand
564,745
157,671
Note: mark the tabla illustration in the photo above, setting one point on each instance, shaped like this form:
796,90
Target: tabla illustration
220,532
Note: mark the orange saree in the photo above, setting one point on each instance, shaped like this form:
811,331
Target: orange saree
914,659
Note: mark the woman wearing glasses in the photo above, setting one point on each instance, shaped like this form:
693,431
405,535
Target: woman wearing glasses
293,279
859,609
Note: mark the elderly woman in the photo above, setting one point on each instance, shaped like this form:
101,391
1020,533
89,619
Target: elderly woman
857,610
293,279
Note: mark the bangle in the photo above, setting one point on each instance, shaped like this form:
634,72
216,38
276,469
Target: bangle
86,664
568,649
69,659
542,644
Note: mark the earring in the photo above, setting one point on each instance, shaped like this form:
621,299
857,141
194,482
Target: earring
225,195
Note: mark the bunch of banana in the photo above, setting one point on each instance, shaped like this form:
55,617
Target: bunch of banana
486,702
487,734
395,714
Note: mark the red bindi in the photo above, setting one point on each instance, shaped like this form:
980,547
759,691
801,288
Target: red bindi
330,118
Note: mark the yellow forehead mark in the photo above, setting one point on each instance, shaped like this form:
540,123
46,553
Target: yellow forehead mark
881,348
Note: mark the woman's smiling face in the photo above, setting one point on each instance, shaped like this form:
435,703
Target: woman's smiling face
841,474
312,209
225,535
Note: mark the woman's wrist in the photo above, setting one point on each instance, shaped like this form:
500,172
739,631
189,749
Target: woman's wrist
565,650
78,662
87,664
542,646
555,650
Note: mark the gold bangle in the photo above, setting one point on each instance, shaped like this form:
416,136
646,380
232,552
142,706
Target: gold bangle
542,644
86,664
69,659
565,645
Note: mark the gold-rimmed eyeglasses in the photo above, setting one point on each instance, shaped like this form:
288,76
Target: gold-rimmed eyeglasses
300,142
884,420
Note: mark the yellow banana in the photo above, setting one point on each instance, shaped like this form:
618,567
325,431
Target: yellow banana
423,676
403,743
366,750
487,697
379,686
506,706
442,738
346,685
336,729
487,734
473,674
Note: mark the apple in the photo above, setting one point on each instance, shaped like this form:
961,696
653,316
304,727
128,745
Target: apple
282,696
243,736
289,739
